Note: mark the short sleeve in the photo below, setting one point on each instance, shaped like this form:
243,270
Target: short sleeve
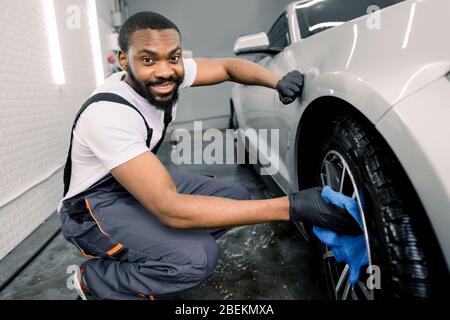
190,72
114,133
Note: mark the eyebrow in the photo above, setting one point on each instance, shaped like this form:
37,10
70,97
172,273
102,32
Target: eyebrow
154,53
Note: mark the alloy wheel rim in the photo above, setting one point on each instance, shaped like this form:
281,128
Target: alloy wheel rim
336,173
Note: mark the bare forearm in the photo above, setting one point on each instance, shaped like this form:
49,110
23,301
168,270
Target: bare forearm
195,211
250,73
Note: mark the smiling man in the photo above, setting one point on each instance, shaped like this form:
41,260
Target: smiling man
151,231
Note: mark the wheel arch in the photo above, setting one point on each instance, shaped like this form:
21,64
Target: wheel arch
312,130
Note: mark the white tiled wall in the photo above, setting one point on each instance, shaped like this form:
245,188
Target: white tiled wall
35,113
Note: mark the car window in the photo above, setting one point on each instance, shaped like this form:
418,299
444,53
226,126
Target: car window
279,33
318,15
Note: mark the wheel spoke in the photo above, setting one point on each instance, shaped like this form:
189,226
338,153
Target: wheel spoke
342,279
332,172
353,294
367,294
328,255
346,290
327,173
323,179
344,170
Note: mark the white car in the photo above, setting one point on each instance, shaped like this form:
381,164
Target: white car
373,122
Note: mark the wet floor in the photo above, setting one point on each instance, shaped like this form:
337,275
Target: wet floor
265,261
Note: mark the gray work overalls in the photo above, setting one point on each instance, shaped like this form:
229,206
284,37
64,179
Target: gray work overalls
133,255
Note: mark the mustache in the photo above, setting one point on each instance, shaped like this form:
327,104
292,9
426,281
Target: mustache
172,79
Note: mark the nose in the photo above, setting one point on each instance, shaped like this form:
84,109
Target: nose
164,70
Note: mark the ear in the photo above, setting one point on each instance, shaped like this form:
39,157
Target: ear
123,60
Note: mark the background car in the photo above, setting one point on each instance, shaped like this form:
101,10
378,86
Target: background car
371,122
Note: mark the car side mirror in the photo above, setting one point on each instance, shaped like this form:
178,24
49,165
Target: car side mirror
254,43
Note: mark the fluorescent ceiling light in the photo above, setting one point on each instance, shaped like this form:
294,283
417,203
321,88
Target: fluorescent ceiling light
95,42
53,40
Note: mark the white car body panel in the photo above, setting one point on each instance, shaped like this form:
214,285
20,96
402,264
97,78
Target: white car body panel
394,75
352,56
417,129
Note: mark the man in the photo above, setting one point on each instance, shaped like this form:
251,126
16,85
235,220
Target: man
153,232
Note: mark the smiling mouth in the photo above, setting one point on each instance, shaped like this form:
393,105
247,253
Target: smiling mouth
163,89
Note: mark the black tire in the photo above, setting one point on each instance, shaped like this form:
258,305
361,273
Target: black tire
392,216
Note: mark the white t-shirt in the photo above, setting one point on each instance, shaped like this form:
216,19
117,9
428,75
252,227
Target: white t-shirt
109,134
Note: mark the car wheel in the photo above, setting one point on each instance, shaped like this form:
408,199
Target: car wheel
357,163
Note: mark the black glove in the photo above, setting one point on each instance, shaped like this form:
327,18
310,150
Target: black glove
308,206
290,87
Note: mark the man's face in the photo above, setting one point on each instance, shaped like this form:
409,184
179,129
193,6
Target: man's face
154,66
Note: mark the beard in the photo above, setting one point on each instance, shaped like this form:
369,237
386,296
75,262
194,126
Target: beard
145,91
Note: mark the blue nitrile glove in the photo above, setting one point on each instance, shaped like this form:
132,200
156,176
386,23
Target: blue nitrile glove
351,249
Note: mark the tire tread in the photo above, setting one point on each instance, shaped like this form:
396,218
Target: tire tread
409,269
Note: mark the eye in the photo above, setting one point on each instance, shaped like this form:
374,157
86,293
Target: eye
148,60
175,58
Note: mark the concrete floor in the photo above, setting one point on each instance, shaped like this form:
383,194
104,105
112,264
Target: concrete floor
266,261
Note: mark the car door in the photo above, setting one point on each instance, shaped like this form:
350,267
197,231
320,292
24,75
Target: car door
312,18
280,37
257,100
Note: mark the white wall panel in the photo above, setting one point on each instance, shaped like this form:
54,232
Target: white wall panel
35,113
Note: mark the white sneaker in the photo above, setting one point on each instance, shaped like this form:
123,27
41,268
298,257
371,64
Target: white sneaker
78,286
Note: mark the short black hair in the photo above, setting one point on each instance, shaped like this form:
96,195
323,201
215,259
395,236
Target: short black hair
143,20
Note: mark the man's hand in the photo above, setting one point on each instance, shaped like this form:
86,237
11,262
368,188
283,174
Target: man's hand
290,87
308,206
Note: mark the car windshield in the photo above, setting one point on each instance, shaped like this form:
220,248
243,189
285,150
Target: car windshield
318,15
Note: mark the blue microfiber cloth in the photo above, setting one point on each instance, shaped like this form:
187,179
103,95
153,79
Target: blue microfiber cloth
351,249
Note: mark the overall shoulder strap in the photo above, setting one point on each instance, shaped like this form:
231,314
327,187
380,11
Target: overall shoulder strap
110,97
167,120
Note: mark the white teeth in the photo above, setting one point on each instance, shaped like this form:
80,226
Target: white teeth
162,86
